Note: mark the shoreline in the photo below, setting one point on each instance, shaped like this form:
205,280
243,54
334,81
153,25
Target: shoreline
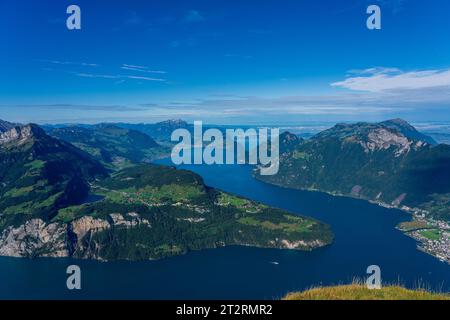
427,246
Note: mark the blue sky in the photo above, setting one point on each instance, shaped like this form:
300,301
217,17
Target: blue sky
224,61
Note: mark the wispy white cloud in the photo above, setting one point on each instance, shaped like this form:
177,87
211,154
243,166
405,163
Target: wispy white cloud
258,106
131,67
372,92
90,64
233,55
118,76
82,107
189,42
84,64
134,66
84,73
133,19
90,75
143,78
375,91
392,79
373,71
193,16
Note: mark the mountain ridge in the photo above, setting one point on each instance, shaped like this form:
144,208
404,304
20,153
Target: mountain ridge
5,125
160,131
38,174
110,144
374,161
19,134
57,200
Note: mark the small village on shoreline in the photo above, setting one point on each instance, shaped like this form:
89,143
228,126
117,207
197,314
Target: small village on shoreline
433,235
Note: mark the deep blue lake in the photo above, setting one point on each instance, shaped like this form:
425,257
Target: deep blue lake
365,235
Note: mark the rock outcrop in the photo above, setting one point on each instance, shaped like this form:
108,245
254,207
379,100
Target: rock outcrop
35,238
131,220
20,134
88,224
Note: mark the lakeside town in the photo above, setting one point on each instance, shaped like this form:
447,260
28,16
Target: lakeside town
433,235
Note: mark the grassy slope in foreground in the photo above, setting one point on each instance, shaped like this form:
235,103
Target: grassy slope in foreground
360,292
178,213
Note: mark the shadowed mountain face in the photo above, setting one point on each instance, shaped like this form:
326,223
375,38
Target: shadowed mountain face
5,126
390,162
40,174
111,144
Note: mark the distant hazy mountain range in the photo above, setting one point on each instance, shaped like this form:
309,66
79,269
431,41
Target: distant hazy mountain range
389,162
111,144
59,199
160,131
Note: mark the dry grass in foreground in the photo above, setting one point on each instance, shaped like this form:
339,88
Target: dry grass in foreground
360,292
